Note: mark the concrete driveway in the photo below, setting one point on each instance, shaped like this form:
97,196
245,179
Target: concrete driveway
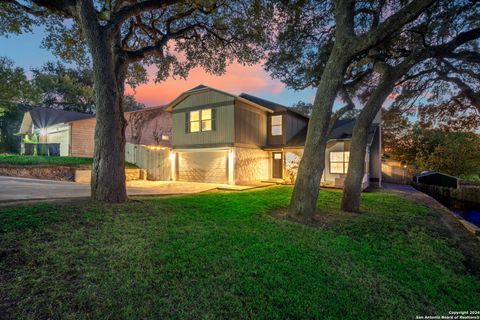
18,189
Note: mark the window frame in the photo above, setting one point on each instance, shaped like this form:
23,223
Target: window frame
201,122
272,125
344,161
190,121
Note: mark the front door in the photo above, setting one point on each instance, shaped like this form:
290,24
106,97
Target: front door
277,165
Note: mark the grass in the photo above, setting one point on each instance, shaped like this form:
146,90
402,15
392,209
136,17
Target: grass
22,160
223,255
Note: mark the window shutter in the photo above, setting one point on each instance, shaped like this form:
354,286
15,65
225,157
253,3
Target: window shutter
187,122
214,119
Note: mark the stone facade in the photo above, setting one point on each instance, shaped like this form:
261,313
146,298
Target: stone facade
292,161
251,165
84,176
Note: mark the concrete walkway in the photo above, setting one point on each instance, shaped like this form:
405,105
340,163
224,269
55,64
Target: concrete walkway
18,189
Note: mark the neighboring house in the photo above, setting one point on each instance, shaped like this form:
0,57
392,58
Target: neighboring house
222,138
147,127
50,126
75,131
207,135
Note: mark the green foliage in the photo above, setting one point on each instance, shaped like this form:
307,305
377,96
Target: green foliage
71,88
65,88
303,42
30,138
455,153
130,104
221,255
16,93
14,88
21,160
452,152
207,34
302,107
13,21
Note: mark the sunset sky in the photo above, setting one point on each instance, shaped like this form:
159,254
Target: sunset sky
25,51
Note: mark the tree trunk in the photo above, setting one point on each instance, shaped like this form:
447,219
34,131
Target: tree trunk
352,188
108,171
307,185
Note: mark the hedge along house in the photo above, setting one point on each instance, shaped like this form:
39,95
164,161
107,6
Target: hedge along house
50,126
222,138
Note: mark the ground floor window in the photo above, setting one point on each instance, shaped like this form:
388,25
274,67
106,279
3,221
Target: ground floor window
339,161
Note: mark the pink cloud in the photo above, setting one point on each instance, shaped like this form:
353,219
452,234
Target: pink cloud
237,79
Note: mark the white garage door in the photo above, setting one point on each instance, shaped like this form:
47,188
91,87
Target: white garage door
208,166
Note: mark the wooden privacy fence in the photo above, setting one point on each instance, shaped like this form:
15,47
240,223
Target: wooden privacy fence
394,172
153,159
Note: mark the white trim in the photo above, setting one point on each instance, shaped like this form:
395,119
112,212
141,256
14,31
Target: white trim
203,149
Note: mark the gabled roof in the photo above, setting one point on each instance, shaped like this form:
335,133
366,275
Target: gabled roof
342,130
275,107
202,88
432,172
146,109
44,117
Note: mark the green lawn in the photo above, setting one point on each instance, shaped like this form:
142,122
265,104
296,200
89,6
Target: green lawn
20,160
223,255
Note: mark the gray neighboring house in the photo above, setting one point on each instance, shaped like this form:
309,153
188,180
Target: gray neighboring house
223,138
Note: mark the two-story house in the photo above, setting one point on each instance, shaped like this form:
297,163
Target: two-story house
207,135
219,137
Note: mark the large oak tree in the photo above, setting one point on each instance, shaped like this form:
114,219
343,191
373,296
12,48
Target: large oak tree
316,43
119,37
448,32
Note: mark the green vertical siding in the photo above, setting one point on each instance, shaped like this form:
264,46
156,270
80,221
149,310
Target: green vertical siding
250,125
224,123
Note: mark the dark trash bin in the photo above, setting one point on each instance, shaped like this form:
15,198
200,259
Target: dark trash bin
42,149
29,149
54,149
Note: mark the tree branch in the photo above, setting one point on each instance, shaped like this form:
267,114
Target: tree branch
393,23
137,55
116,20
66,7
340,112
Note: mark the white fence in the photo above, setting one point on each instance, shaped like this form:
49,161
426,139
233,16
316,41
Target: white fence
155,160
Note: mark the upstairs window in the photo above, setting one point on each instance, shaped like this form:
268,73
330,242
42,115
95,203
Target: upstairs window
200,120
339,161
207,120
194,121
276,125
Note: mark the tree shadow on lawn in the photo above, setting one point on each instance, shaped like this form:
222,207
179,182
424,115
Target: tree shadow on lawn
359,226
